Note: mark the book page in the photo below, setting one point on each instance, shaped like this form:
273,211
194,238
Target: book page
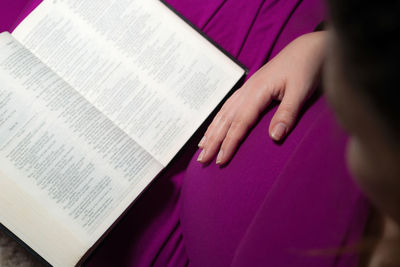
62,160
137,62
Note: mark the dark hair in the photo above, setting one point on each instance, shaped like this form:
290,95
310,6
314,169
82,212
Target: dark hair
368,33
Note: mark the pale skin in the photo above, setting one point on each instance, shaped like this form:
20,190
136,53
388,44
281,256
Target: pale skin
289,78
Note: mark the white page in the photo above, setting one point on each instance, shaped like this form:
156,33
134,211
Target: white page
66,156
137,62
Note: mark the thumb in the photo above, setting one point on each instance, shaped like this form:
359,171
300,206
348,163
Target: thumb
286,115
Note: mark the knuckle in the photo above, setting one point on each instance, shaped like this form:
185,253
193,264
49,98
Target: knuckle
211,139
217,117
220,118
286,113
230,139
236,131
223,118
237,125
209,130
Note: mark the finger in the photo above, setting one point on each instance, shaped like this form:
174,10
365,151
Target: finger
223,116
213,138
217,130
219,119
236,133
286,115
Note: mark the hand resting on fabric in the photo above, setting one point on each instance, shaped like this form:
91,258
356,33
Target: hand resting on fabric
289,77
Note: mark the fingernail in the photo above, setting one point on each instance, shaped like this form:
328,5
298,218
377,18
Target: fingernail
203,152
278,131
202,142
219,157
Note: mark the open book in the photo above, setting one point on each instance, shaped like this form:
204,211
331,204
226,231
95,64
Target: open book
96,98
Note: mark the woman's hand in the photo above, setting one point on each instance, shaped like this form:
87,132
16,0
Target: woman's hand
289,78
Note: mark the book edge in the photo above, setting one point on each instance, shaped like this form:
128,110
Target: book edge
89,253
209,39
5,230
97,244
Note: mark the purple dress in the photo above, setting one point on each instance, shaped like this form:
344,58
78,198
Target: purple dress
274,205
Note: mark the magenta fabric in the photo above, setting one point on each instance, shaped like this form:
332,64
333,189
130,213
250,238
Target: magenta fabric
274,204
9,12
